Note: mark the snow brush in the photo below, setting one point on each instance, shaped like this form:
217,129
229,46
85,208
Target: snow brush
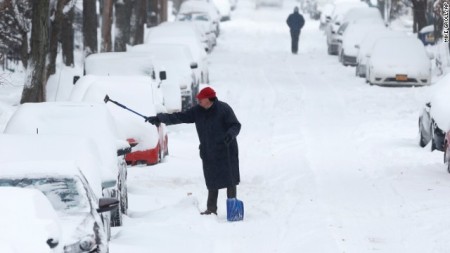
107,99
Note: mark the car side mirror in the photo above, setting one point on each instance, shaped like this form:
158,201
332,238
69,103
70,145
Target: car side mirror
357,46
107,204
108,183
194,65
162,75
75,79
428,104
123,151
52,243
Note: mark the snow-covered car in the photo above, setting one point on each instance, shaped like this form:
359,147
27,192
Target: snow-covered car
204,23
224,8
337,17
87,120
271,3
28,216
150,143
180,67
366,46
434,120
352,37
186,34
41,147
68,191
401,61
202,6
133,64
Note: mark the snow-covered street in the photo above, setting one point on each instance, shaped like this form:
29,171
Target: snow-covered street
328,163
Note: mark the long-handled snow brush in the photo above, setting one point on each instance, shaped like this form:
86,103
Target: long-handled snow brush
107,99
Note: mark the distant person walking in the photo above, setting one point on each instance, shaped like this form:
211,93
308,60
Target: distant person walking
295,21
217,129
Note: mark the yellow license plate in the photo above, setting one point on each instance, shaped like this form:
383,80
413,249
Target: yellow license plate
401,77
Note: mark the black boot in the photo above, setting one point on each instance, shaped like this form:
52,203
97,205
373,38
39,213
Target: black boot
208,212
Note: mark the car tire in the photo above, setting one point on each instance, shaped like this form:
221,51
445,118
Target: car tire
116,218
433,143
422,142
329,50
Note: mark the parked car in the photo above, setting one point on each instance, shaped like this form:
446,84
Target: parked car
28,216
339,12
133,64
177,61
271,3
202,6
41,147
399,61
203,22
70,194
366,46
426,35
150,143
353,36
185,34
87,120
434,121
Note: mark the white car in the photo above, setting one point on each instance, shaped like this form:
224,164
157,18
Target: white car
202,6
366,46
180,67
337,17
77,207
150,143
224,7
28,216
182,33
89,120
399,61
133,64
204,23
353,36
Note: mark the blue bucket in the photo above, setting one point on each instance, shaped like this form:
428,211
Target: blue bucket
235,210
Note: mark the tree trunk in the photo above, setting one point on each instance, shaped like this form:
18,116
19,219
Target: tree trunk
107,20
123,13
34,88
419,15
67,38
137,22
54,35
24,49
90,27
153,18
163,10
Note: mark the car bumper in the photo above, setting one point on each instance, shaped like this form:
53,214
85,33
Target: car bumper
149,156
349,60
391,81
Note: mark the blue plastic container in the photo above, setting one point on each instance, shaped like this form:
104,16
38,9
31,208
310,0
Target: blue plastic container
235,210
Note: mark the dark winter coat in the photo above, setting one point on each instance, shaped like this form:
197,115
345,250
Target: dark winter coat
220,161
295,21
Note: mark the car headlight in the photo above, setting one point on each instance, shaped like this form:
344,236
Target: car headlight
85,244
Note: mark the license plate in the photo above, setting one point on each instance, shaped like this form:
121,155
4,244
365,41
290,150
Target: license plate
401,77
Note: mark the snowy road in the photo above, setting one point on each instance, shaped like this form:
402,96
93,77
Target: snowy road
328,163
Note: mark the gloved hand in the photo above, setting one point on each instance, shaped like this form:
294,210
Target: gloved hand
228,139
153,120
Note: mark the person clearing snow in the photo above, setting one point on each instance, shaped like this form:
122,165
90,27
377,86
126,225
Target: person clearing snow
217,129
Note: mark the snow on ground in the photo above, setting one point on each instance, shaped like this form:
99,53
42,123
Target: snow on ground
328,163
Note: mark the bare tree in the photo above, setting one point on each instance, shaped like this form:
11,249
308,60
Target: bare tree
34,88
123,14
90,27
107,20
67,34
137,22
419,14
57,14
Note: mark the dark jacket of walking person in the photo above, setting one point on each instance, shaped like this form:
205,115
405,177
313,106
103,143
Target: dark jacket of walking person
295,21
217,128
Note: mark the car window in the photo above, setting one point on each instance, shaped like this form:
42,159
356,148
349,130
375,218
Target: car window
65,194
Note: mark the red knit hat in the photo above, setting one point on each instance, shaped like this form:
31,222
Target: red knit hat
207,92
